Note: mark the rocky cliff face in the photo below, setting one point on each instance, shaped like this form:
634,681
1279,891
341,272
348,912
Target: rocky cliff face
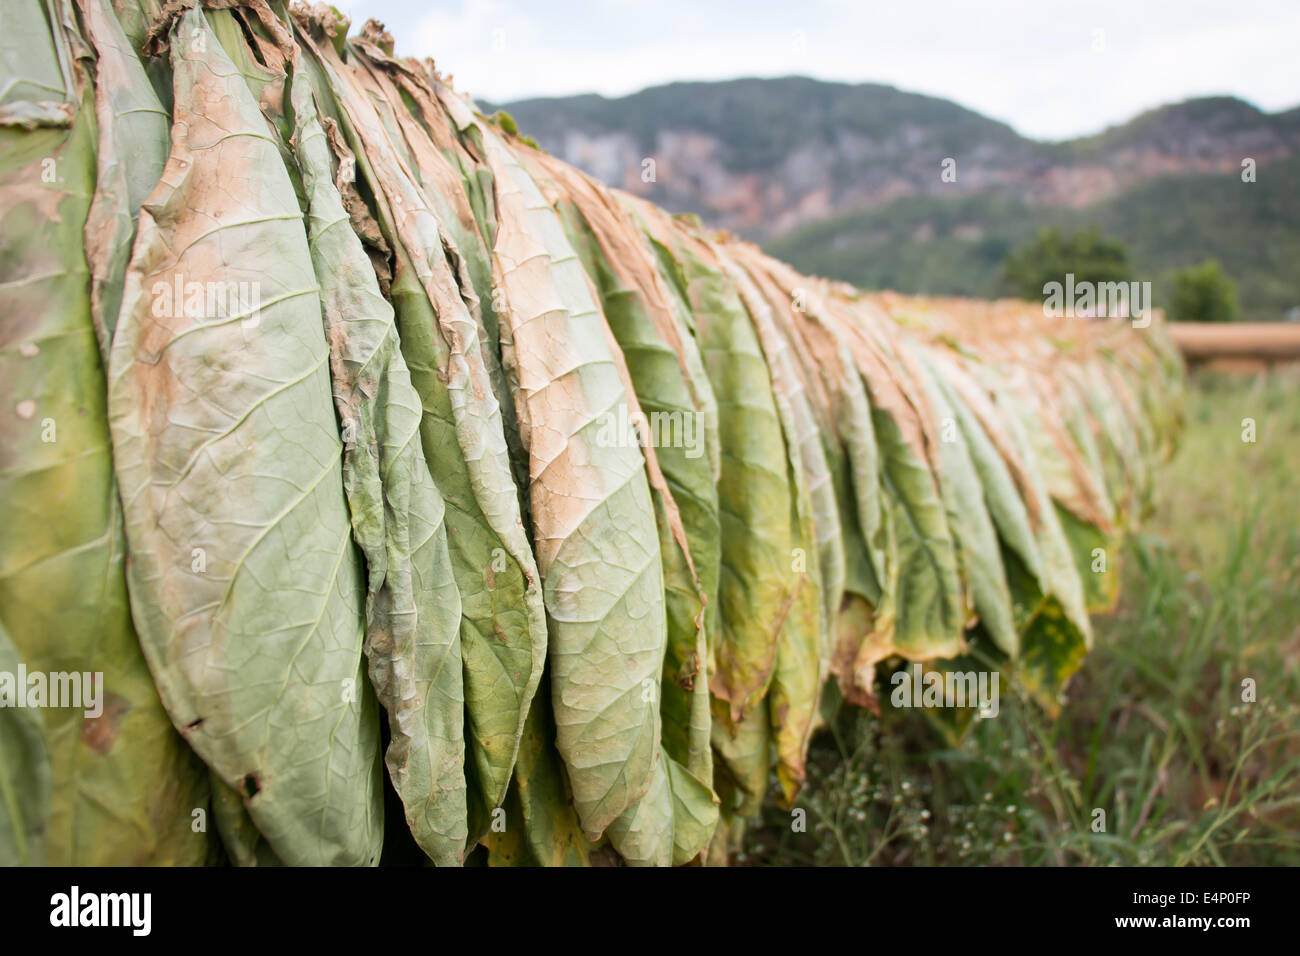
766,157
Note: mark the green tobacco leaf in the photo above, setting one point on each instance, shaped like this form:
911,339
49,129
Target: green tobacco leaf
695,813
672,824
1060,572
674,821
817,561
1097,557
1051,645
758,536
593,518
804,418
1068,470
244,580
643,833
1057,634
795,695
686,513
624,274
684,683
479,187
928,593
744,753
243,842
503,628
35,66
134,137
690,352
24,770
1082,427
964,499
853,456
977,420
462,193
136,17
63,595
413,606
1100,405
549,822
926,596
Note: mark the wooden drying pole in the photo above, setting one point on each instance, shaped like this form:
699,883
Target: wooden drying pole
1245,346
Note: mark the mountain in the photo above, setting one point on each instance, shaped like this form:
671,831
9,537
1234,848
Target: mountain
763,157
848,179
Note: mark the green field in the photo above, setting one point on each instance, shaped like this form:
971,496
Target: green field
1154,733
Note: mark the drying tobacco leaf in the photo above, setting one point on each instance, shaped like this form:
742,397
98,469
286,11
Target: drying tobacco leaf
244,579
25,789
122,787
803,645
412,605
669,427
964,498
134,137
593,520
503,629
757,586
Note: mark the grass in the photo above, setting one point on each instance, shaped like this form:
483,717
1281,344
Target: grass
1155,732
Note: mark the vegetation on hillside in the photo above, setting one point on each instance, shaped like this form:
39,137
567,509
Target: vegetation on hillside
955,245
1087,255
761,121
1202,293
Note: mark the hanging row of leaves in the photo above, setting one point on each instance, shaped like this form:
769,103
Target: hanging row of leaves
576,518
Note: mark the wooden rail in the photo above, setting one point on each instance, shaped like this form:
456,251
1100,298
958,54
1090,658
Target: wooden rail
1245,345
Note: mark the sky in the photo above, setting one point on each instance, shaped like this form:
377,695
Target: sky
1052,69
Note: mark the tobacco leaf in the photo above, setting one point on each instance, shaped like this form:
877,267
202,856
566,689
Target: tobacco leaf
593,519
134,137
624,275
756,585
547,817
817,560
961,485
244,580
25,787
63,594
503,627
412,604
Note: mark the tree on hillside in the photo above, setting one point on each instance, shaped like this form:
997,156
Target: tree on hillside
1087,254
1204,293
